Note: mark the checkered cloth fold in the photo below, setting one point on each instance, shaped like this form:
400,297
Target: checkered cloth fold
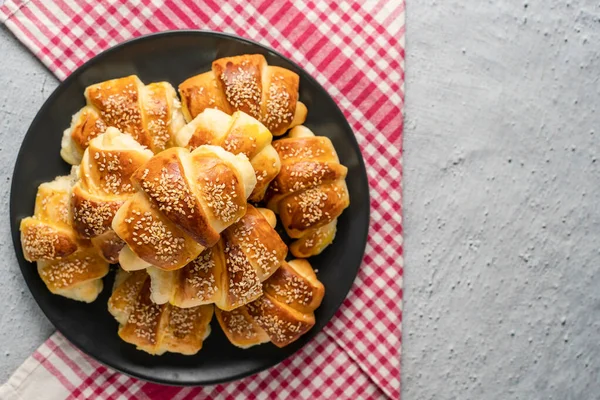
355,49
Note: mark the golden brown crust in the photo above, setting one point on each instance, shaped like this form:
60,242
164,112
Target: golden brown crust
109,244
186,328
220,187
315,148
259,241
104,185
240,283
283,324
88,126
315,241
144,322
118,101
237,134
78,268
157,110
48,234
240,78
267,166
92,215
246,83
296,286
252,251
163,179
152,236
313,208
230,273
279,99
282,314
108,172
240,328
150,114
68,265
302,175
310,192
155,328
201,92
184,201
196,283
43,241
125,293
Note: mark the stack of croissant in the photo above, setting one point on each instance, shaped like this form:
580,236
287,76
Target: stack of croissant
165,189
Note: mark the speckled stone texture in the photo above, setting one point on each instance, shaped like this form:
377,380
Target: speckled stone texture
501,189
502,229
24,85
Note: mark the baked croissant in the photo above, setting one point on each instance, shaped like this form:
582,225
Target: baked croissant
238,133
282,314
229,274
156,328
183,202
310,192
103,186
246,83
69,266
48,234
151,114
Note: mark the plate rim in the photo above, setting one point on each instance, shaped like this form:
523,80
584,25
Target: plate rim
74,75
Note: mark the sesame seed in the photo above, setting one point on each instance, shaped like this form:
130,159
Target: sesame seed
220,200
170,192
199,275
242,90
311,203
96,218
237,323
182,321
280,330
244,284
145,320
152,232
67,272
278,106
293,289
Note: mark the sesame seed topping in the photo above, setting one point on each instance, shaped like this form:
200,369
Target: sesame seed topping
236,322
311,203
257,252
158,120
121,109
41,242
170,192
66,273
293,289
265,314
220,199
145,319
148,231
242,90
200,275
244,284
182,321
298,149
278,105
95,219
127,293
112,179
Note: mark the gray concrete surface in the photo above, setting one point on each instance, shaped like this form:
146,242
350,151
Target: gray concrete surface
501,188
24,85
502,278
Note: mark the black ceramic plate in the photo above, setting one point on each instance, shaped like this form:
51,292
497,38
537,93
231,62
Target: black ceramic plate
175,56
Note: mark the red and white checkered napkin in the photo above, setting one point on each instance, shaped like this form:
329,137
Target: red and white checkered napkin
355,49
